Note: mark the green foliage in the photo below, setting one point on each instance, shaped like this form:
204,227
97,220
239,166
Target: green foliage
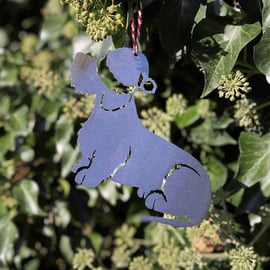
212,49
26,194
254,161
218,45
262,48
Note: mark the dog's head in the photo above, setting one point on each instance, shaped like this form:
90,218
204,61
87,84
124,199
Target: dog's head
130,70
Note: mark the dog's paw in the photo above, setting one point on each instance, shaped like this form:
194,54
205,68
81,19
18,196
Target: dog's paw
154,199
80,177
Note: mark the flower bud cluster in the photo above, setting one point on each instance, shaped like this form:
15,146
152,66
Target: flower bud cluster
233,86
81,108
246,114
157,121
99,19
176,105
83,258
140,262
42,79
243,258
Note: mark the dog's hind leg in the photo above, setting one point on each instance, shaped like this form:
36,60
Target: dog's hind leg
185,194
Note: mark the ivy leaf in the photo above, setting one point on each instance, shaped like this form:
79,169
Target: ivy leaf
62,215
266,14
7,143
252,7
217,46
190,116
9,77
260,51
96,241
176,21
66,248
5,106
211,132
52,27
49,110
18,122
263,48
63,133
254,161
217,173
147,3
69,157
8,233
236,198
26,192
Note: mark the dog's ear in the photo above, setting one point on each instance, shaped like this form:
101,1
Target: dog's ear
84,75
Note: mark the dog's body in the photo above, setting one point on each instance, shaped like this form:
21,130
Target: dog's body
114,144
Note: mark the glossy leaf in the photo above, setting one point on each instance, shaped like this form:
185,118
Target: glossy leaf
65,247
260,51
147,2
63,132
210,132
52,27
217,47
33,264
108,191
176,21
254,161
252,7
263,48
266,14
8,233
26,192
217,173
49,110
6,143
5,106
190,116
96,241
70,155
251,200
9,77
62,214
18,122
236,198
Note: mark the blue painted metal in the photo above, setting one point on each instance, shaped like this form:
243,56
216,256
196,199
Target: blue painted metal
115,145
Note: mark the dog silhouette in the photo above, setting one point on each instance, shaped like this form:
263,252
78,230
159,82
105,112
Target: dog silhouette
115,145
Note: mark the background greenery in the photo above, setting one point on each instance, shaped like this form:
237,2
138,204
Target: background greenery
211,62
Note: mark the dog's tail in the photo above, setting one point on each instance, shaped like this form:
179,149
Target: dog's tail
174,221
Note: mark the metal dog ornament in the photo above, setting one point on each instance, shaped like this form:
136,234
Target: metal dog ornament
115,145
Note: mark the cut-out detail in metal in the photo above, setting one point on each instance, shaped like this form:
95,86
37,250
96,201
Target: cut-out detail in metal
114,143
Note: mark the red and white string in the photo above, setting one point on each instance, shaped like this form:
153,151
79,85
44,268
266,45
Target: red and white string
135,35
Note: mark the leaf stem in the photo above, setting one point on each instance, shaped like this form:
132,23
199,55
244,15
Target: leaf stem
265,104
178,236
216,256
260,233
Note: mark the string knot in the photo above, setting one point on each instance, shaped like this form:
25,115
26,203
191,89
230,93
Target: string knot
136,27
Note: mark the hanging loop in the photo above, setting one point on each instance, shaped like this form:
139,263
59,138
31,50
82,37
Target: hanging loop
136,26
